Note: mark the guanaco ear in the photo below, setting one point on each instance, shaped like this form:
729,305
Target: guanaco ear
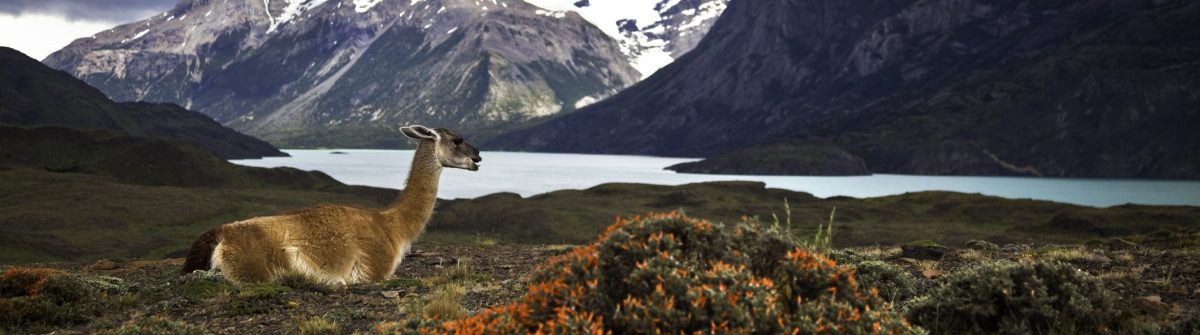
420,132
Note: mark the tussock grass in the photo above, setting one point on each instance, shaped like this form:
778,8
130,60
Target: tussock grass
447,303
317,326
1072,255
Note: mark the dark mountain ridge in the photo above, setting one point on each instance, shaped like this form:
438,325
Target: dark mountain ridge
966,87
32,94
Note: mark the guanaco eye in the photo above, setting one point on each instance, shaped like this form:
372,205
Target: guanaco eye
458,141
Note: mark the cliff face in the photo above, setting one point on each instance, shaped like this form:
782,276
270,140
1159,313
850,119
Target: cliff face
1044,88
33,95
327,73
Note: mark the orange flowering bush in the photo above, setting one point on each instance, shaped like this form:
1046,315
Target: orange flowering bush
667,273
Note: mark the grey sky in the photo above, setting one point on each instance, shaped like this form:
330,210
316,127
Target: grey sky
88,10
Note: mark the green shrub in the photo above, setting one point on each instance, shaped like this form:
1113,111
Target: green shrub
198,285
158,326
894,283
33,297
671,274
1019,298
981,245
256,298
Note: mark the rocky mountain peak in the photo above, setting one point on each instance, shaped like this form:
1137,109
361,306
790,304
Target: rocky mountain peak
323,72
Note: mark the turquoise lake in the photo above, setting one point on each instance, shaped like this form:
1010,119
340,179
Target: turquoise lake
534,173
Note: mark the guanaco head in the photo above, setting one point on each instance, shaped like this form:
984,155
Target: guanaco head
452,151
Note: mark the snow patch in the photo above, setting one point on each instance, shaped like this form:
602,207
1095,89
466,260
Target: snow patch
295,8
137,36
362,6
588,100
451,31
415,2
558,14
707,12
651,60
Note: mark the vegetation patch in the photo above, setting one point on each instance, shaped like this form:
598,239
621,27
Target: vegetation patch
317,326
37,298
667,273
158,326
1020,298
893,282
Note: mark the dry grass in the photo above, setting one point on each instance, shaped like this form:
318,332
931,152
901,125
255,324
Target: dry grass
1073,255
446,303
972,255
880,252
317,326
559,247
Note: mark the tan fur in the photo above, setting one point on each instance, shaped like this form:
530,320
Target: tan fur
339,244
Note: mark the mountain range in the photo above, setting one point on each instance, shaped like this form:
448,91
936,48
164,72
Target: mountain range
964,87
348,72
33,95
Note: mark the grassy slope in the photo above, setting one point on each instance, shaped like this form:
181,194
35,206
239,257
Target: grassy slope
72,195
575,216
66,216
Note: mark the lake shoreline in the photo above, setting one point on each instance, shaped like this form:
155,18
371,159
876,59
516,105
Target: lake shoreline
531,174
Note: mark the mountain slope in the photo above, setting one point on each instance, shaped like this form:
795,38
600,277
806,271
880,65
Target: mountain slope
347,73
1041,88
32,94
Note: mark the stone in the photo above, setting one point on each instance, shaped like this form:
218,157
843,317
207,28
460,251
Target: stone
931,273
923,251
104,264
1152,305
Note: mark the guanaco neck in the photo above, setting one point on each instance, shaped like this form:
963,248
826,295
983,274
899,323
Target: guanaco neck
413,208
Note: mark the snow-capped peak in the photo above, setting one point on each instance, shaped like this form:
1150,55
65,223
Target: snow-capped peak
650,33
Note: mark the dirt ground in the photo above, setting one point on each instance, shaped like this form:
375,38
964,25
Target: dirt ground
491,275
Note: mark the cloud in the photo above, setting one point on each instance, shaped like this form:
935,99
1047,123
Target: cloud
44,34
88,10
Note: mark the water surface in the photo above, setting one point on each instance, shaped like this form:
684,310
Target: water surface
535,173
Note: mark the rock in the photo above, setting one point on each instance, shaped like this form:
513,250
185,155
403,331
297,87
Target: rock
104,264
433,260
931,273
1152,305
923,250
424,254
390,294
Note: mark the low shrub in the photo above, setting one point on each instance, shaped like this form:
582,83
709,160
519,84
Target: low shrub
894,283
667,273
1019,298
157,326
982,245
35,297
